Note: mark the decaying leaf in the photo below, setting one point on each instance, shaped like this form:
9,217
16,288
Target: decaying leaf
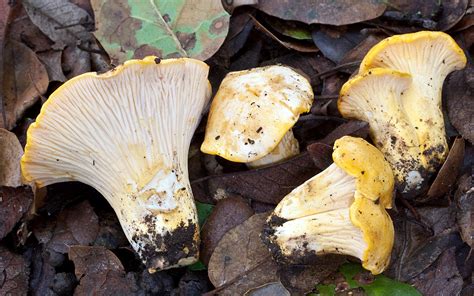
14,203
14,273
442,278
27,80
4,14
100,272
459,98
75,61
448,173
465,209
10,155
52,61
62,21
330,12
269,289
78,225
241,261
269,184
227,214
336,42
134,29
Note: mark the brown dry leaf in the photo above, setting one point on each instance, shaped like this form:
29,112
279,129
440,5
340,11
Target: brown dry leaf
28,79
62,21
336,42
14,203
78,225
4,14
75,61
357,53
465,209
268,185
227,214
442,278
241,261
52,61
301,279
270,289
448,173
10,155
321,154
459,98
353,128
330,12
100,272
14,273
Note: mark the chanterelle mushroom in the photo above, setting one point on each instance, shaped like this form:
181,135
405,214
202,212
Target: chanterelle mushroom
253,112
127,133
341,210
428,57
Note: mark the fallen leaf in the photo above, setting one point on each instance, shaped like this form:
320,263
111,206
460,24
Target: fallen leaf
193,28
52,61
442,278
4,14
10,155
295,30
290,44
452,13
321,154
62,21
241,261
22,29
227,214
100,272
75,61
448,173
78,225
360,50
269,289
27,80
42,273
464,198
14,203
301,279
331,12
336,42
14,273
459,98
354,128
268,185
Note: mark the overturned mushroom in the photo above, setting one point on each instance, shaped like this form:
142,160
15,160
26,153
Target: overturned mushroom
127,133
428,57
252,115
341,210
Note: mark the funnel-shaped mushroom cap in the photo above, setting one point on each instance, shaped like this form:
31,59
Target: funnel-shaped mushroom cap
341,210
253,110
127,133
428,57
376,97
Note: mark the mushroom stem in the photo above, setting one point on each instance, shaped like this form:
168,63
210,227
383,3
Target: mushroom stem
287,148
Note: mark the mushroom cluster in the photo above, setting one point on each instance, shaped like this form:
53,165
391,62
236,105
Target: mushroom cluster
252,114
341,210
127,133
398,92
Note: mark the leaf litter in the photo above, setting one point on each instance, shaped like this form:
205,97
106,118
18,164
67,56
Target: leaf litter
74,242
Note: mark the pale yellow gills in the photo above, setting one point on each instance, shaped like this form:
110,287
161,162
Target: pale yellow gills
253,110
341,210
376,97
127,134
428,57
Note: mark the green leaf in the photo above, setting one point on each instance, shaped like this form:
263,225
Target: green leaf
197,266
381,286
180,28
203,211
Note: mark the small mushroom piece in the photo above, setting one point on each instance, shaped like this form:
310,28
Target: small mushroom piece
341,210
428,57
127,133
253,112
376,97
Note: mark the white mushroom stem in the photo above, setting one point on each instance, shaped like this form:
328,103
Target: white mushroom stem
316,216
287,148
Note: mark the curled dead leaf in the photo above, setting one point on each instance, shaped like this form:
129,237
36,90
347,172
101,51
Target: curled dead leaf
10,155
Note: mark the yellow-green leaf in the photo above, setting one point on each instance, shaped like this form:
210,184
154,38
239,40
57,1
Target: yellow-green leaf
165,28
